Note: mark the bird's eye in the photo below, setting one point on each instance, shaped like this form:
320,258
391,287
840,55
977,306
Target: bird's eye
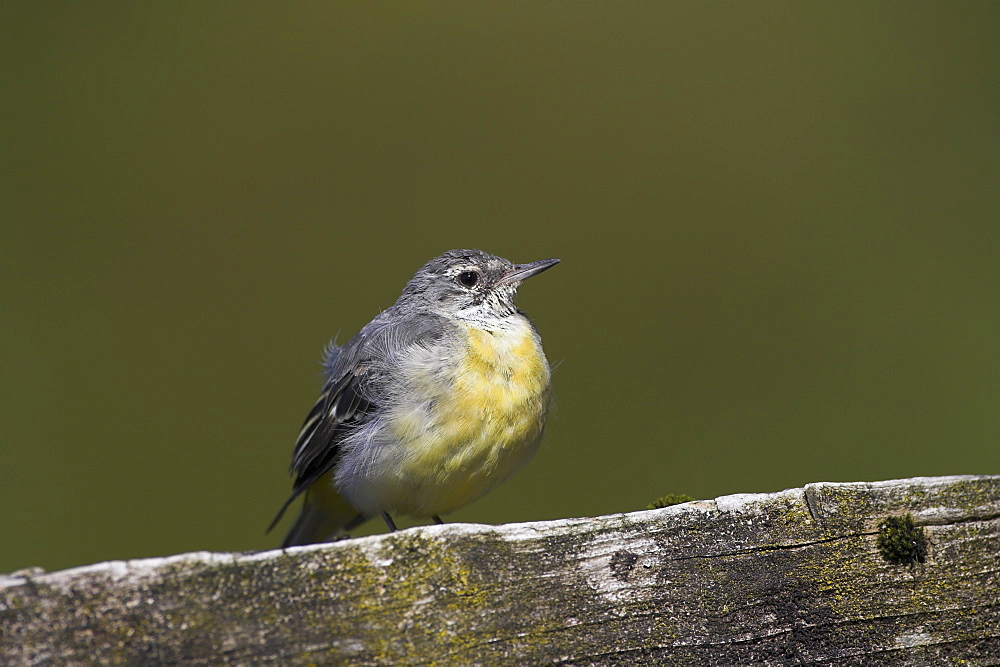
468,278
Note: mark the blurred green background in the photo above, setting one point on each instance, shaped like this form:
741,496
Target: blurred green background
779,225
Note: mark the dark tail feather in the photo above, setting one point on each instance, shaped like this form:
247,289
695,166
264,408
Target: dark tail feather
323,517
281,513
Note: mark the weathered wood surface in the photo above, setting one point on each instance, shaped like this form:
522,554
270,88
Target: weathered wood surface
785,578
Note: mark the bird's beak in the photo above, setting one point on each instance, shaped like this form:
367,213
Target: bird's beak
520,272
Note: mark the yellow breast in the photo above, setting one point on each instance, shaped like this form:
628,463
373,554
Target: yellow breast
476,423
501,378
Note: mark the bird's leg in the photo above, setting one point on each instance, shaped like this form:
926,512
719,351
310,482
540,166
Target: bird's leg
388,522
437,520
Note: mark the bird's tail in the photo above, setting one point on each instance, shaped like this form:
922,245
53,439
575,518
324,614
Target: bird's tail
324,516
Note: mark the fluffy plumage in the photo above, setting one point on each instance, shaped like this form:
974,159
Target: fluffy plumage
434,402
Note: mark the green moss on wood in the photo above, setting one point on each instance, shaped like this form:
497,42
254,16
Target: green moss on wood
668,500
901,541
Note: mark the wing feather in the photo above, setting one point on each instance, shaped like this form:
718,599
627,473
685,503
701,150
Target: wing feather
349,396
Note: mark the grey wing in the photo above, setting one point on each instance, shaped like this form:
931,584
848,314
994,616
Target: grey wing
341,404
349,396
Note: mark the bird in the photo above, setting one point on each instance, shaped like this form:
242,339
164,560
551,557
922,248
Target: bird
437,400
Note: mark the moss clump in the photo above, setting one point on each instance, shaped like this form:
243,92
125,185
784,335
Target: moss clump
668,500
901,541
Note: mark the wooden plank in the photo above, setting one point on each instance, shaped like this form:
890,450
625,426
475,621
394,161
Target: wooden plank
795,577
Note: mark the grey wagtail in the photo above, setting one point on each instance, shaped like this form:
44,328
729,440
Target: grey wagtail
433,403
